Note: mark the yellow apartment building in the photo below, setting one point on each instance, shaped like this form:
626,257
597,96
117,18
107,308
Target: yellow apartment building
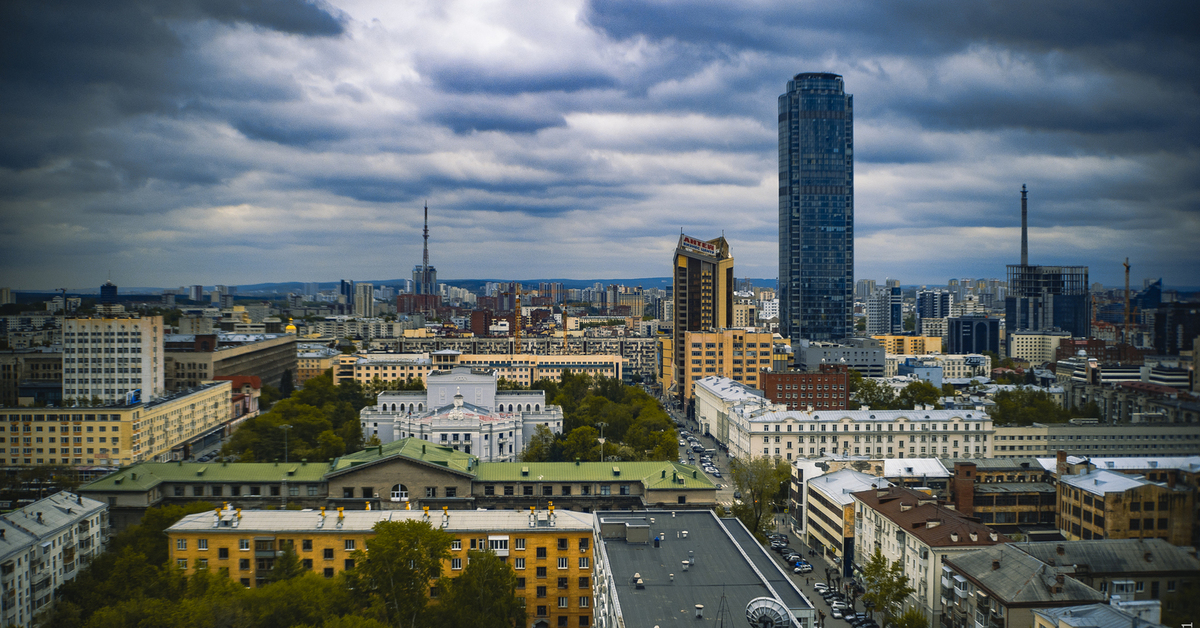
113,435
523,368
552,552
738,354
904,345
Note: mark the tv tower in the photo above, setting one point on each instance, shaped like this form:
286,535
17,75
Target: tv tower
425,256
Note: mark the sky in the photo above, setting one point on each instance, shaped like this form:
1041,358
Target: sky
245,141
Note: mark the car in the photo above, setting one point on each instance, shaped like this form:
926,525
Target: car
682,442
836,613
804,568
839,604
716,473
820,586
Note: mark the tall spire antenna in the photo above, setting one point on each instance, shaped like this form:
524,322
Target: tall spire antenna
425,256
1024,226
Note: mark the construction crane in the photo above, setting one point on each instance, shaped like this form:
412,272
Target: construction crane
1125,336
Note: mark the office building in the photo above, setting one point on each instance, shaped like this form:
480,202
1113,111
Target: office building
1045,297
108,293
364,300
192,359
671,568
552,551
933,304
865,355
885,312
829,512
737,354
972,334
703,301
816,209
346,291
1101,504
43,546
1036,347
910,344
108,359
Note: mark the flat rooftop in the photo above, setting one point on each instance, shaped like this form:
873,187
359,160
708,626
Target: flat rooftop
729,564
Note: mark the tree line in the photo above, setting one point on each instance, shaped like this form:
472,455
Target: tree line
132,584
635,425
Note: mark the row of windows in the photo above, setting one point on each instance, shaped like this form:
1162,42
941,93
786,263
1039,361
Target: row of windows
198,490
925,427
564,489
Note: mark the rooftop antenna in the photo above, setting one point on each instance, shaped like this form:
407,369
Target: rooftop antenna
1125,337
425,256
1024,226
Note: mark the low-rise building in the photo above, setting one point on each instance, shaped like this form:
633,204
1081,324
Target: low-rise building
1111,615
954,366
312,361
194,358
1010,495
1102,504
829,511
42,546
910,344
668,567
1002,586
914,529
864,355
1035,347
1134,569
1083,437
552,552
797,390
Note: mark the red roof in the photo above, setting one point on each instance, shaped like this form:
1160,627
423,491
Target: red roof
241,380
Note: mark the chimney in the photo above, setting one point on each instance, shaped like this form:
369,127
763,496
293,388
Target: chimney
1058,578
1061,550
699,611
1061,466
1024,226
963,488
995,565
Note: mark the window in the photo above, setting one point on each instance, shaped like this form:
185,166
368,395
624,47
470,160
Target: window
306,545
1141,586
541,572
548,490
562,583
328,553
350,545
583,582
451,491
222,552
181,544
430,491
520,583
349,563
562,602
181,563
583,544
562,563
584,621
585,602
307,562
521,544
541,552
562,545
542,611
243,564
202,544
456,544
541,591
585,562
455,564
519,563
328,572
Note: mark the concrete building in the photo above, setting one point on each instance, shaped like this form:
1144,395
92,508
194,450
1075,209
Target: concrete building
864,355
192,359
1091,438
829,512
1002,586
1009,495
364,300
1110,615
97,439
702,300
461,408
537,544
737,354
914,529
934,327
107,359
1133,569
43,546
641,355
39,365
1036,347
953,366
932,304
825,390
789,434
666,567
312,361
910,344
885,312
972,334
1102,504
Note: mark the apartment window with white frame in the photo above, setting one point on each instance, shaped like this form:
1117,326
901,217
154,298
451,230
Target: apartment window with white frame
585,562
519,563
562,563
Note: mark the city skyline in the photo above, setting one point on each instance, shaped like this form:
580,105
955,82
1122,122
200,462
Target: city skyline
197,143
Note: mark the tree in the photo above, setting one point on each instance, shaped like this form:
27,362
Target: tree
918,393
286,385
911,618
287,565
581,444
759,481
541,445
1024,406
876,395
483,595
886,585
399,563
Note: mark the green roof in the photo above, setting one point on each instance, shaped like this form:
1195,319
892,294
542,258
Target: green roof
655,475
412,448
145,476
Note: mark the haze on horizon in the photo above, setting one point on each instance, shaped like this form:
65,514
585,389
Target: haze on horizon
207,142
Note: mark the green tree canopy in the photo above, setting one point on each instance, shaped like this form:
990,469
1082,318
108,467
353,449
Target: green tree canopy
483,595
886,586
875,395
1024,406
399,563
759,481
911,618
918,393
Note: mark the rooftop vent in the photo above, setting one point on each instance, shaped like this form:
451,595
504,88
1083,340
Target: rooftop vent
995,565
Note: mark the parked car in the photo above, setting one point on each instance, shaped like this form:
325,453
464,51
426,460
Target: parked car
836,613
804,568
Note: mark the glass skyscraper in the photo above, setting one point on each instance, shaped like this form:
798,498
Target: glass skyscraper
816,209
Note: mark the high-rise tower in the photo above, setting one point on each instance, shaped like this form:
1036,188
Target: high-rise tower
703,295
424,275
816,208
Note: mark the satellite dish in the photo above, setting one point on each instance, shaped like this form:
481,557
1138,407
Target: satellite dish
767,612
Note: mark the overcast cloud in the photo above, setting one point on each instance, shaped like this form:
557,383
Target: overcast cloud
230,141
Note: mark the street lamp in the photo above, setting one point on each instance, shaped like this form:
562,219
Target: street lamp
285,427
601,425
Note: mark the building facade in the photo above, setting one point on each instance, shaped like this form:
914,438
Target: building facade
1101,504
910,344
972,334
1097,439
824,390
885,312
193,359
737,354
816,209
702,298
42,546
107,359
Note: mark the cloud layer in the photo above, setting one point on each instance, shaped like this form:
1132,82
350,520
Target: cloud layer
213,141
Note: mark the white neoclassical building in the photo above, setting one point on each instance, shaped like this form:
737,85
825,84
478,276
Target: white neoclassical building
461,408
